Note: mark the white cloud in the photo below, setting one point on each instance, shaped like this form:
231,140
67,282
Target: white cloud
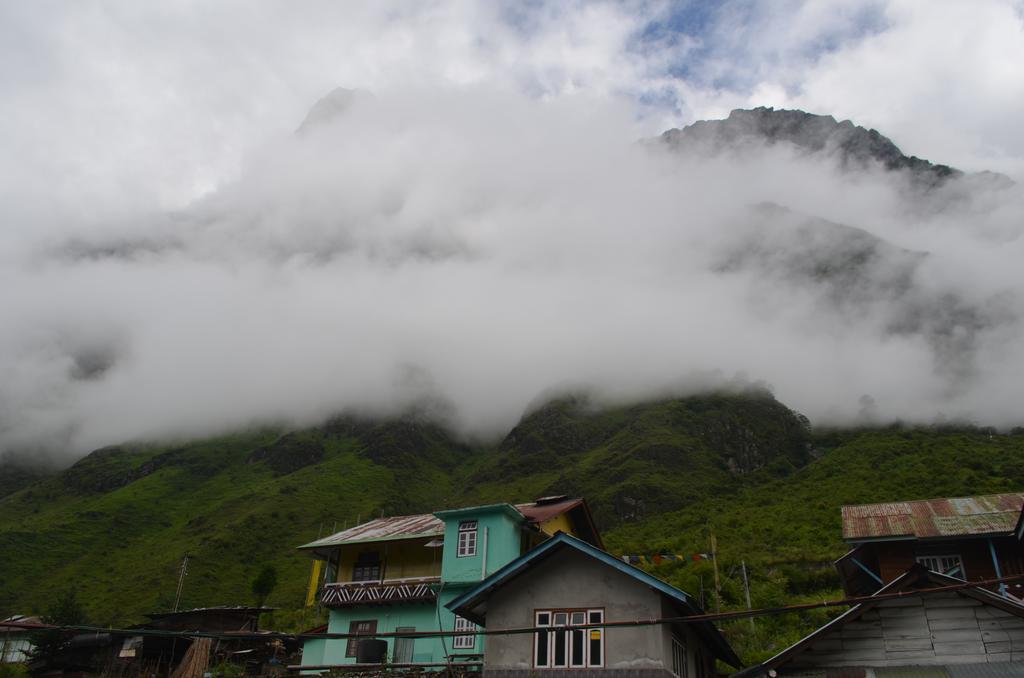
485,225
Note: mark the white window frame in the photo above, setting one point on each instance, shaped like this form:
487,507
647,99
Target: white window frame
467,642
467,539
680,666
562,621
952,559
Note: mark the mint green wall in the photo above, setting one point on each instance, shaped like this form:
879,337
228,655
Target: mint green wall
501,524
422,617
313,652
498,526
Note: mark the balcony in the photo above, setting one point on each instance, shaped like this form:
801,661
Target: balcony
386,592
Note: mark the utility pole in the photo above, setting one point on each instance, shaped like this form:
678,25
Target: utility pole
181,580
746,590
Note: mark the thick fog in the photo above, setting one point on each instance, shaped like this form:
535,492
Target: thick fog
469,250
490,218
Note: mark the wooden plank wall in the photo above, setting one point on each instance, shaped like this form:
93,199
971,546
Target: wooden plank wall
895,558
938,629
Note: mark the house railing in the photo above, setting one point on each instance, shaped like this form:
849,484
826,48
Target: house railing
411,590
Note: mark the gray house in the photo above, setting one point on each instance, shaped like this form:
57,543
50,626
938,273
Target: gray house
566,589
957,633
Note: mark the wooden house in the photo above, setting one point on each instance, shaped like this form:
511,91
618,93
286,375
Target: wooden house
566,588
906,631
970,538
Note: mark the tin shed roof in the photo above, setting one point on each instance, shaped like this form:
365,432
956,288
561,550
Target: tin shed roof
932,518
384,529
429,525
541,510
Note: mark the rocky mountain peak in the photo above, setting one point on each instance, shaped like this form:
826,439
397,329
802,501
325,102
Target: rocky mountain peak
854,147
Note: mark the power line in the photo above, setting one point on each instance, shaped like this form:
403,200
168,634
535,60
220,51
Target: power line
688,619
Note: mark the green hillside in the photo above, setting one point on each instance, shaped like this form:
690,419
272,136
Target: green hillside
661,478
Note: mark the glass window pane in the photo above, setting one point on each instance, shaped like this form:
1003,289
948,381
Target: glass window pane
596,616
542,649
561,618
596,647
560,641
543,618
578,618
576,647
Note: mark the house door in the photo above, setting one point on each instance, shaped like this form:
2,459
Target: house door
403,646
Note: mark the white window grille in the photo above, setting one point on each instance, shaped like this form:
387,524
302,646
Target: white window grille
464,642
467,539
679,667
951,565
566,645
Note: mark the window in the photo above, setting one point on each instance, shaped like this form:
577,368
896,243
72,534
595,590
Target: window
679,668
949,565
467,539
360,628
14,650
367,567
566,645
403,646
464,642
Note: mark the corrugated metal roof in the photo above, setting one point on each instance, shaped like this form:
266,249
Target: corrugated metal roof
428,525
930,518
384,529
540,512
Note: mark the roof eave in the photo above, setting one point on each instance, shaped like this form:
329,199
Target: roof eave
348,542
503,507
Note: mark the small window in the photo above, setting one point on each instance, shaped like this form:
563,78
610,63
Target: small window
366,627
464,642
570,642
467,539
950,565
367,567
679,668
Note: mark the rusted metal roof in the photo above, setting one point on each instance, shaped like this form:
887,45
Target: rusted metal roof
384,529
541,511
931,518
428,525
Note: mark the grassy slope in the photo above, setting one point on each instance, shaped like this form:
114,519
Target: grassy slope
659,477
122,547
787,530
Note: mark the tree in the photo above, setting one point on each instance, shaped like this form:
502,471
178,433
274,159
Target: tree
65,610
263,584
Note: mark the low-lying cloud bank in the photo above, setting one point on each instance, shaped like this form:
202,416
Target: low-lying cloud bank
474,248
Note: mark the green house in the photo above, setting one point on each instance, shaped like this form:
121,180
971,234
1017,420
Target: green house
396,575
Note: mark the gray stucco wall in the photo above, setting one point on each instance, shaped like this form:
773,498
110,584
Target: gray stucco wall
573,580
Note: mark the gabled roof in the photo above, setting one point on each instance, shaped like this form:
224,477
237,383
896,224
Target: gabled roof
467,605
546,508
916,575
994,514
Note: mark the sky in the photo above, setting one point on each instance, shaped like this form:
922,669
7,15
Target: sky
483,225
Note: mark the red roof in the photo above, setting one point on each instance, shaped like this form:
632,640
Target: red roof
932,518
540,511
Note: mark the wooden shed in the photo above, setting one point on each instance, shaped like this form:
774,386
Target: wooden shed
958,627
